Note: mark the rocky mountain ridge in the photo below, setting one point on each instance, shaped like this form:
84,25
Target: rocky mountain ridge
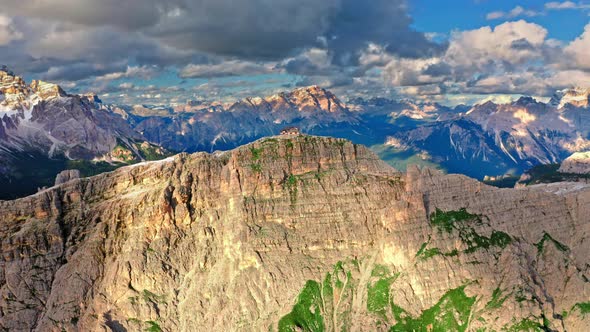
199,128
497,138
293,233
574,97
42,128
502,138
488,139
43,116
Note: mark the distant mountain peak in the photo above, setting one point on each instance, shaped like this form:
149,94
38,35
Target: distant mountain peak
6,70
305,99
15,90
93,97
526,100
315,97
47,90
578,97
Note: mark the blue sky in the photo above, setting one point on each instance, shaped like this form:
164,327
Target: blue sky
445,16
170,51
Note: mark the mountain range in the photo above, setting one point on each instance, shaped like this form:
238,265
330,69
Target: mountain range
484,139
487,139
294,232
42,128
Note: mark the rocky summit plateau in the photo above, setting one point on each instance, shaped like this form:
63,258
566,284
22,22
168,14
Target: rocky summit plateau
293,233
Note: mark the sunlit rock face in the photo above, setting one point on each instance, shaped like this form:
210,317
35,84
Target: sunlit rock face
14,91
578,163
576,97
291,233
46,90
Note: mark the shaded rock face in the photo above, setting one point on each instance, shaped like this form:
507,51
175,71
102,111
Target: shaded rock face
42,128
292,233
42,117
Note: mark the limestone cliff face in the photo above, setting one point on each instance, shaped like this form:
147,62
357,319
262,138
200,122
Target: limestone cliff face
292,233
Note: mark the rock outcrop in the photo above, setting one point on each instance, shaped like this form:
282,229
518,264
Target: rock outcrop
577,163
47,90
14,91
292,233
67,175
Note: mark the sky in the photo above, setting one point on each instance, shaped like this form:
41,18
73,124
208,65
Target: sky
166,52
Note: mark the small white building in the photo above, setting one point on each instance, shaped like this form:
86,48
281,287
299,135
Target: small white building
290,131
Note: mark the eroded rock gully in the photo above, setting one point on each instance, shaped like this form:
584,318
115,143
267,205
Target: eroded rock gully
292,233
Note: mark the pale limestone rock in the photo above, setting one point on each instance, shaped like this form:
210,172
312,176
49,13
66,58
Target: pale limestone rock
226,242
47,90
578,163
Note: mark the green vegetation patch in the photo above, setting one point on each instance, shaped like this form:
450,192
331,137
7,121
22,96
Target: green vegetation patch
497,299
476,241
550,173
153,326
401,159
89,168
584,307
256,168
290,184
152,152
151,297
256,153
322,305
306,314
524,325
378,298
425,253
447,220
451,313
326,305
546,237
461,221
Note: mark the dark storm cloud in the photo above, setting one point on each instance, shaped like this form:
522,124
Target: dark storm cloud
79,71
521,45
67,51
438,69
265,29
126,14
252,29
383,22
303,66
